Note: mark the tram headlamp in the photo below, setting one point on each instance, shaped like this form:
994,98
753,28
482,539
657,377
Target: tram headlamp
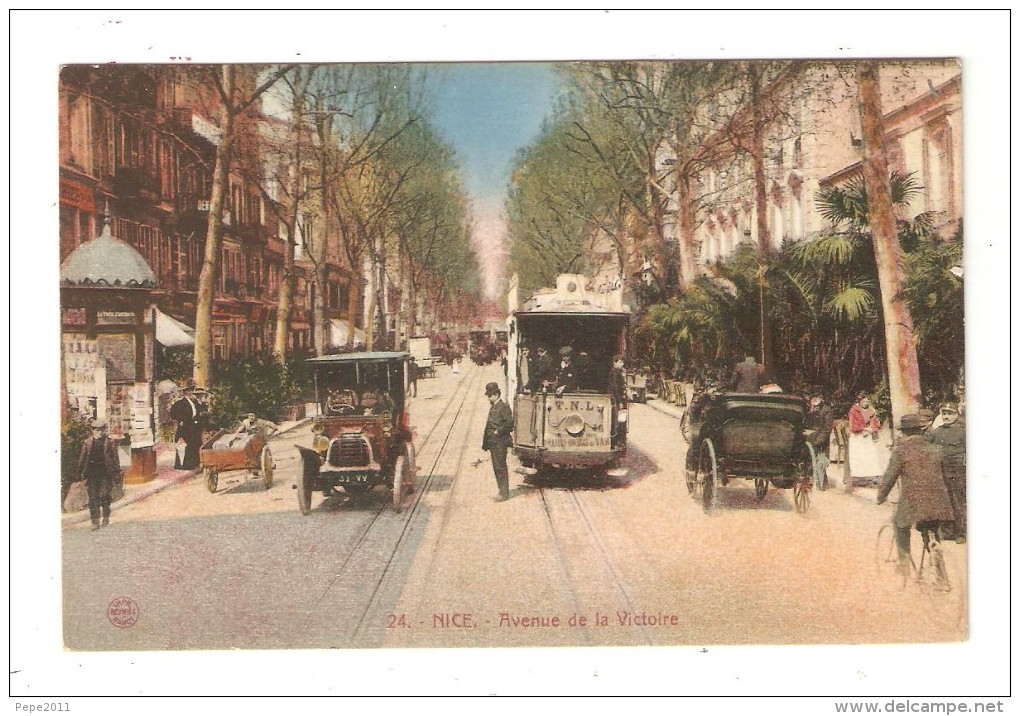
621,417
574,425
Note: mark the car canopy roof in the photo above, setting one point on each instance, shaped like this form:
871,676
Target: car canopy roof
355,357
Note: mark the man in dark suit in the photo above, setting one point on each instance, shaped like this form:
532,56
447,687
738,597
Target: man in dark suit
951,437
497,440
99,467
819,423
924,495
543,373
188,413
747,376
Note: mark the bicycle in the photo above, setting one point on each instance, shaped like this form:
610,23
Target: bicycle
927,569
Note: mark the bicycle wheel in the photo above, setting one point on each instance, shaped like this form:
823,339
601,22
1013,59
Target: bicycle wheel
887,561
941,577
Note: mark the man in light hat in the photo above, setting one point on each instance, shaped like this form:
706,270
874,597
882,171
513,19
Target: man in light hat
568,377
186,411
924,496
99,467
498,428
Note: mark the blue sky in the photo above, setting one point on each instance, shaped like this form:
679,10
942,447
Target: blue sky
487,111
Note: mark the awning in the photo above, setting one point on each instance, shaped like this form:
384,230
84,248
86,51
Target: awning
338,333
172,333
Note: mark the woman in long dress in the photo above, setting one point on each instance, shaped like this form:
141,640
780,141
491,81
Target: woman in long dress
866,456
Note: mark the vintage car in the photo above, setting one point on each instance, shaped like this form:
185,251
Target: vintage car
752,436
362,434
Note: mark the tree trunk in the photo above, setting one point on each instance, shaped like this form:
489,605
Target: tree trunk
203,356
353,303
412,298
286,302
900,345
321,316
765,346
688,262
382,291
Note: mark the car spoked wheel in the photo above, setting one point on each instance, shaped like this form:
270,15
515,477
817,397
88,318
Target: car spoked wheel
399,475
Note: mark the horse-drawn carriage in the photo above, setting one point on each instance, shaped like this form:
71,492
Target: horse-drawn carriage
749,436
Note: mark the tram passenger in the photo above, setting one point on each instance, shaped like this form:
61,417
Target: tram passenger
543,375
618,383
524,369
567,378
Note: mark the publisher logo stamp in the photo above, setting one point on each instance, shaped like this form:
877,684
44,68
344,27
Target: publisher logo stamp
122,612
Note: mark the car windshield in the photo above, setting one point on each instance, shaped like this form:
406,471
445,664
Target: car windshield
361,388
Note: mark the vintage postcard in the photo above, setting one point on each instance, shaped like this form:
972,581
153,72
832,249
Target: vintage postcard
370,356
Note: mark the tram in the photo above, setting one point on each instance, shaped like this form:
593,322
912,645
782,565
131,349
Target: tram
567,419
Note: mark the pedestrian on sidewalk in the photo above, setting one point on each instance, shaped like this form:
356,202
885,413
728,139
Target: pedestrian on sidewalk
187,412
497,440
99,467
819,422
867,463
412,378
951,438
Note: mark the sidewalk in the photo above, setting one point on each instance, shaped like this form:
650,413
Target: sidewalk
166,477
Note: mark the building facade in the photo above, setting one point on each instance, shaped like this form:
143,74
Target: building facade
814,141
141,140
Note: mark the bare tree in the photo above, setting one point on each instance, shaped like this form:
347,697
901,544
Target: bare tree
231,107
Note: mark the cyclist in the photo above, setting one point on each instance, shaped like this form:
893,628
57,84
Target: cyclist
924,497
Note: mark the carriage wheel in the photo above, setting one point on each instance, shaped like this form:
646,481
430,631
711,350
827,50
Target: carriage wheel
399,474
685,427
304,493
412,467
212,478
708,476
266,464
761,488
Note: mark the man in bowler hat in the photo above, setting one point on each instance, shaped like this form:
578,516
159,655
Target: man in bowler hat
497,440
99,466
924,497
187,412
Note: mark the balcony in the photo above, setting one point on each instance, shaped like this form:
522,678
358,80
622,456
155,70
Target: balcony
136,183
252,233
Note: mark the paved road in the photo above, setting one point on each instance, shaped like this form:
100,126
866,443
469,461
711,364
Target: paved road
627,562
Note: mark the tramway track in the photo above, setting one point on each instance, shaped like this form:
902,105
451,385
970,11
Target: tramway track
422,488
372,519
571,500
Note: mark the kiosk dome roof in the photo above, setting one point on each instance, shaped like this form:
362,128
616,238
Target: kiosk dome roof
107,261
